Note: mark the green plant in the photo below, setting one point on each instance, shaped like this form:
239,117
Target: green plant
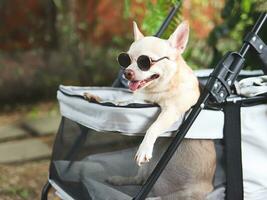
21,192
154,15
238,18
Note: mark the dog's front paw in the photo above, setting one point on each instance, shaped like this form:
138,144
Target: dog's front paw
144,154
91,97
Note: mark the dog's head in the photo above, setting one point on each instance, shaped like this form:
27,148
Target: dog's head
151,61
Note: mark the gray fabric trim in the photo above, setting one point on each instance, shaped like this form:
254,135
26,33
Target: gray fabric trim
128,121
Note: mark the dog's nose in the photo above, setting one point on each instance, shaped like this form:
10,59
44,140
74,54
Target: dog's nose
129,74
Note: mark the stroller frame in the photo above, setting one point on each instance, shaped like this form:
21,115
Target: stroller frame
217,90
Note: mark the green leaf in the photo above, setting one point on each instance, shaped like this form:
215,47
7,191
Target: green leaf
127,5
246,5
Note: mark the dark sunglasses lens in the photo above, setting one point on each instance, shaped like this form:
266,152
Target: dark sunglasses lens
124,60
143,63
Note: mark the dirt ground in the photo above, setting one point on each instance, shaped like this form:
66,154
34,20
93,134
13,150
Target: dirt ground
23,181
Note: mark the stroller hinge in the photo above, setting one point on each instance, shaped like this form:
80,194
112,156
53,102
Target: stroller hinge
259,46
224,75
255,41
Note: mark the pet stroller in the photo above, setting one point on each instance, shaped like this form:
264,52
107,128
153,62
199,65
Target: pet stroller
77,173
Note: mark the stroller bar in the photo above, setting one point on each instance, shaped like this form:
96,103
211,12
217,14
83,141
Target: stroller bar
203,99
256,28
260,47
167,21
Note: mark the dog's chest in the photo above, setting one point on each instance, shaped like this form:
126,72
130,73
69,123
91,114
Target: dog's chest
151,97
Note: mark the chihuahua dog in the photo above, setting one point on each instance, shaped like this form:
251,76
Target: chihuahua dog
157,73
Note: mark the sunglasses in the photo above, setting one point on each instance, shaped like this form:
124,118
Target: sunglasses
143,62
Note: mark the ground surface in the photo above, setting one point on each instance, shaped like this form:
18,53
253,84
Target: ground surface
23,177
23,181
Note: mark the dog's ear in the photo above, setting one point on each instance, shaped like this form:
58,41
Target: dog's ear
137,34
179,37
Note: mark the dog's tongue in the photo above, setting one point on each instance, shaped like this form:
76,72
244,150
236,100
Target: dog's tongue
133,85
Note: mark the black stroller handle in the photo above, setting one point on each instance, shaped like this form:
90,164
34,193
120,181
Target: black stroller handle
252,39
256,28
168,19
224,73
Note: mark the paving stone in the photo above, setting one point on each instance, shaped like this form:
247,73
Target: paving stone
8,132
23,150
44,125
